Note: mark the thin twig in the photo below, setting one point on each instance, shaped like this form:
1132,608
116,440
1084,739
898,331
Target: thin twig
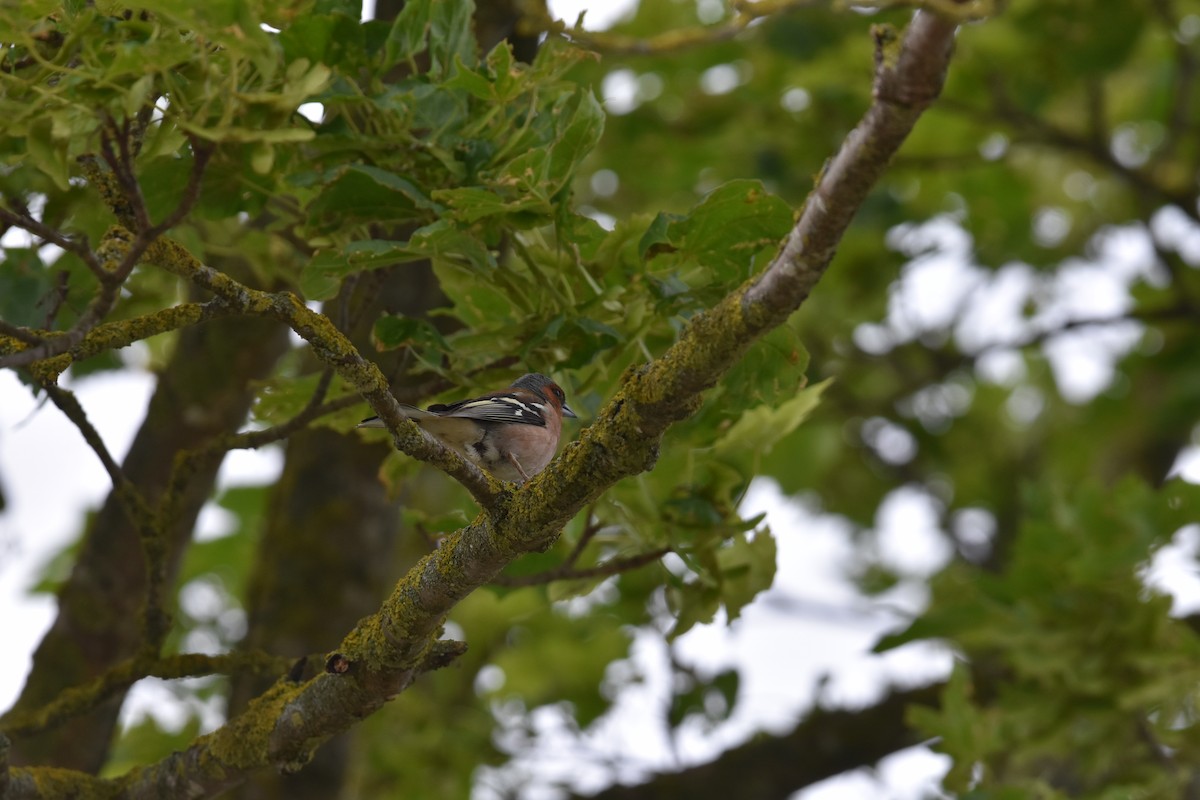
121,167
201,154
113,261
542,21
565,572
24,220
55,298
156,620
252,440
69,404
590,529
20,334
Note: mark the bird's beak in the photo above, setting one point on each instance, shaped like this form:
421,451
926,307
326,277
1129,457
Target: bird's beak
567,412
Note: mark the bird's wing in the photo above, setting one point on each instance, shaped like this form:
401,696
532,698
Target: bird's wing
500,407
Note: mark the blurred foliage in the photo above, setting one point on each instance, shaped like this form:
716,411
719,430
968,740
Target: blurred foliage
578,209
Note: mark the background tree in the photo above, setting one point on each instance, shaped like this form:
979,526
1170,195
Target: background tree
445,208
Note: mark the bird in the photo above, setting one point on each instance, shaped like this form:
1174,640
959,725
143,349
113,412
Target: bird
512,433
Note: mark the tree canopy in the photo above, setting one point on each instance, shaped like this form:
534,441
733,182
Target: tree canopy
943,248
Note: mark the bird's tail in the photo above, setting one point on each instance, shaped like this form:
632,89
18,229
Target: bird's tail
411,412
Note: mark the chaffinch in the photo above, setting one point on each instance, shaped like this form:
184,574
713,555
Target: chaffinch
512,433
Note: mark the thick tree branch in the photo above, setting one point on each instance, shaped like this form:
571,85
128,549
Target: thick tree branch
625,437
824,744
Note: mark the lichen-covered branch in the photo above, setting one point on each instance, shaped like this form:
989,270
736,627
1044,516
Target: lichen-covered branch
115,335
281,728
79,699
109,335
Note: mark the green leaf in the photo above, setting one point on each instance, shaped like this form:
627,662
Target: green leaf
24,284
582,338
235,133
507,86
279,399
747,568
579,129
333,39
759,429
559,658
324,272
733,223
451,35
407,36
442,25
48,153
440,241
713,700
694,604
961,727
348,8
472,82
471,203
361,192
229,557
147,742
395,330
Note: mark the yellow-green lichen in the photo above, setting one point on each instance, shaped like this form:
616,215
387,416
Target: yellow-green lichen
56,782
244,742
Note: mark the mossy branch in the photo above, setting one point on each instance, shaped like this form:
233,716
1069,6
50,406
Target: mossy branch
122,333
75,701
